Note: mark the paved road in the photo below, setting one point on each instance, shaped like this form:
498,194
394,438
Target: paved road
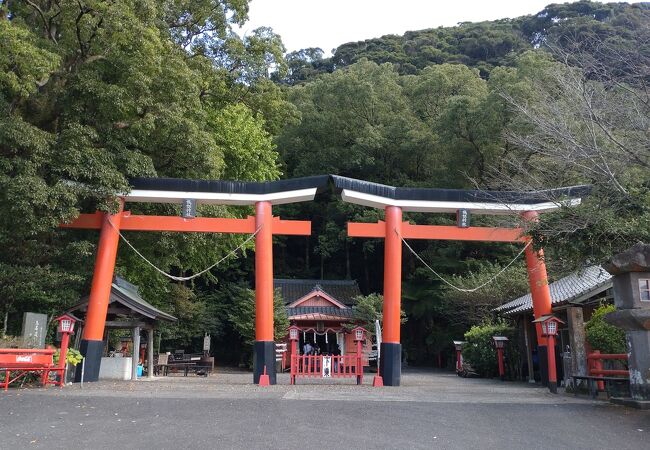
430,410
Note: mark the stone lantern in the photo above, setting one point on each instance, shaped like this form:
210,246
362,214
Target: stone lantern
631,271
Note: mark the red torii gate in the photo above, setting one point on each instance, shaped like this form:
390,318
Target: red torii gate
261,195
393,229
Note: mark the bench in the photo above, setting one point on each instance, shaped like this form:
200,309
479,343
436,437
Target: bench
591,381
20,362
200,368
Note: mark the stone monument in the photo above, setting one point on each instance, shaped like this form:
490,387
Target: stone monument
631,271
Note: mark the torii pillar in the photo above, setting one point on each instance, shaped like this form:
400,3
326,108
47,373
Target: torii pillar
391,347
541,296
92,338
264,347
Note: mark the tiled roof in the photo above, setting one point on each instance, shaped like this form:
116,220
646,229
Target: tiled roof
343,291
577,287
128,295
321,310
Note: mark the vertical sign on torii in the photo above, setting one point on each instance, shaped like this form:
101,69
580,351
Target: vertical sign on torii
396,200
159,190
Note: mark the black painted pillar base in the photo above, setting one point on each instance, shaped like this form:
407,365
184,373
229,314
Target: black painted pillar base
92,352
264,355
542,353
552,387
390,363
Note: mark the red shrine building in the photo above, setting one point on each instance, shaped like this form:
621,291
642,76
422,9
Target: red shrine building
322,309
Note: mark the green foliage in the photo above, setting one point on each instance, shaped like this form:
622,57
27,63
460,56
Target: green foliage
480,45
465,309
72,356
480,353
93,93
603,336
367,309
242,315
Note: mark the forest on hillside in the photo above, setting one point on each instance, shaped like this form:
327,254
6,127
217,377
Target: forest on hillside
92,94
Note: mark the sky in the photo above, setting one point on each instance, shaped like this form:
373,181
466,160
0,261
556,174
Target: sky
330,23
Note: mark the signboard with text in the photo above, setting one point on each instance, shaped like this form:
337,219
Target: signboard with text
462,218
34,329
188,208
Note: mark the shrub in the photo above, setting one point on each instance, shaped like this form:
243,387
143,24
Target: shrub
73,356
480,353
603,336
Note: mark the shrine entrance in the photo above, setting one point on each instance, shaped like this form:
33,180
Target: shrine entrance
394,201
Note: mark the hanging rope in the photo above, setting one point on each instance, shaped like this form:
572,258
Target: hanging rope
454,286
196,275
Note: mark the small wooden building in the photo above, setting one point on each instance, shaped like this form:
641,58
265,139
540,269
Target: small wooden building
573,300
127,310
322,309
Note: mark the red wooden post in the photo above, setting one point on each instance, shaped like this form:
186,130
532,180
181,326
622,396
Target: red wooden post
293,337
459,360
552,371
502,371
598,365
359,365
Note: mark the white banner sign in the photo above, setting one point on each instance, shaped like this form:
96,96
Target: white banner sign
327,366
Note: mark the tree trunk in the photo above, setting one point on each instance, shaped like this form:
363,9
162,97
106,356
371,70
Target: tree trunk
348,275
4,325
322,266
307,255
366,272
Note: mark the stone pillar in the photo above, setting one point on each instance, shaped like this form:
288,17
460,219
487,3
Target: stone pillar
576,323
150,353
631,270
135,357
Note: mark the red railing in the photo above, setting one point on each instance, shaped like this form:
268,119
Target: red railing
595,366
311,366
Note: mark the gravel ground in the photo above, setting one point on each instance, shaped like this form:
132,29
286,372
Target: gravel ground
429,410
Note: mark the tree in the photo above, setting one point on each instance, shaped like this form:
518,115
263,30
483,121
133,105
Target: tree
93,93
573,127
602,336
369,308
480,353
465,309
242,318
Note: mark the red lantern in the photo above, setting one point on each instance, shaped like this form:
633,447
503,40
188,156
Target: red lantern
66,328
66,324
550,326
294,333
499,344
458,345
359,334
499,341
